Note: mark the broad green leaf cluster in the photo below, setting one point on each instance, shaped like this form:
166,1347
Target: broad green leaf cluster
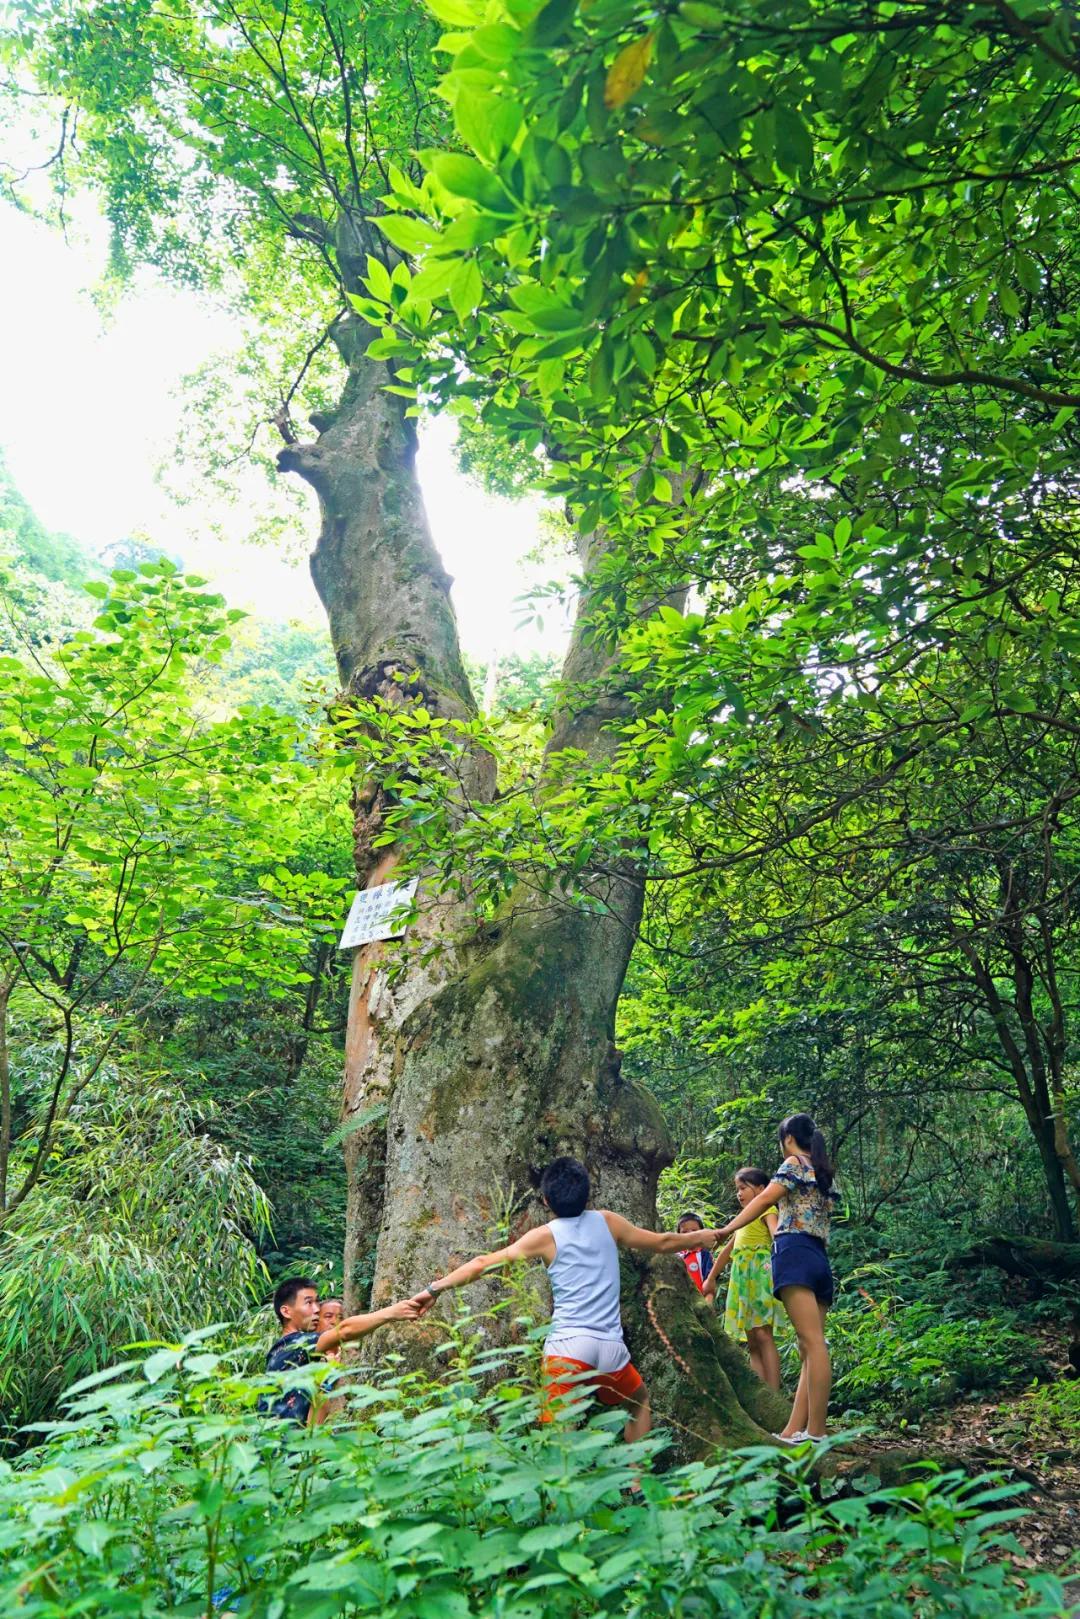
144,847
787,301
213,130
731,238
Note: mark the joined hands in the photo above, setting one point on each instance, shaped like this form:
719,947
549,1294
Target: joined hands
403,1310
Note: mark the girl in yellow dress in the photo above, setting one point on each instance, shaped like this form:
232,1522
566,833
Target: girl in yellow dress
752,1312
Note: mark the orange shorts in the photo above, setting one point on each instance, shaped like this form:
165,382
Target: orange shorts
563,1377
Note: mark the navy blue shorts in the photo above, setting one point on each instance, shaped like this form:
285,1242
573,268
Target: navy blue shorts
799,1260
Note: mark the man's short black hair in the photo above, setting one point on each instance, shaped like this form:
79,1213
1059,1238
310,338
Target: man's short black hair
285,1292
564,1186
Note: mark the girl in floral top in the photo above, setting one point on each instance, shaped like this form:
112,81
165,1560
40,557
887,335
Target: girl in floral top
801,1190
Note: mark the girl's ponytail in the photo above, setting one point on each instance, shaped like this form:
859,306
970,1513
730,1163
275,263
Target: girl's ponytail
806,1133
819,1157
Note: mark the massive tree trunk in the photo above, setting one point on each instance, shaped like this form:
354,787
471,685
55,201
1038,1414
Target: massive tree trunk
395,639
498,1054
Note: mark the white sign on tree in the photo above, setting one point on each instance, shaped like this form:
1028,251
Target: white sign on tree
378,913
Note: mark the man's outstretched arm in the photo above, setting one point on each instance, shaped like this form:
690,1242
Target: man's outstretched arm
535,1244
358,1326
628,1235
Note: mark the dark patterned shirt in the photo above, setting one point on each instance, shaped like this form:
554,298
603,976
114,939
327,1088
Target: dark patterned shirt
289,1352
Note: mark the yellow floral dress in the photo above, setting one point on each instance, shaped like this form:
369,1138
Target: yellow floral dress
750,1301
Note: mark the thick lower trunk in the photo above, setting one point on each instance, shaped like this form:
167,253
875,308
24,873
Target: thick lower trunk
503,1069
1057,1189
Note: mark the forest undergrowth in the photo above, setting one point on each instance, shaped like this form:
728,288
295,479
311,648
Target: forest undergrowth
160,1492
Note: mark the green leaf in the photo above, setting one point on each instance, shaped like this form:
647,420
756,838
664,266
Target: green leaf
92,1536
161,1361
464,176
466,289
378,279
1009,300
553,21
600,375
794,143
433,280
644,352
408,234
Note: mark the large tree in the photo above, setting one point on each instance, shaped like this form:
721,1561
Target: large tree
691,256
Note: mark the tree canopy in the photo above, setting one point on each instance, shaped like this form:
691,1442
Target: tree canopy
785,301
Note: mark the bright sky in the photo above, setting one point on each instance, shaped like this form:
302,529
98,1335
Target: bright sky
88,411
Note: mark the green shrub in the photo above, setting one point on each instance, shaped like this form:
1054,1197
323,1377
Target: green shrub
1047,1420
161,1494
895,1358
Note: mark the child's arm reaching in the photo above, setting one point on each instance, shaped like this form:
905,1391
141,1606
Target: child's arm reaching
535,1244
772,1221
358,1326
655,1242
756,1207
713,1278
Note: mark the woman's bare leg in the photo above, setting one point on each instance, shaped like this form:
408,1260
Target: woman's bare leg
796,1423
807,1316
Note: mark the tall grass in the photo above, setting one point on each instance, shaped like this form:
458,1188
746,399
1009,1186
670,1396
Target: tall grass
141,1228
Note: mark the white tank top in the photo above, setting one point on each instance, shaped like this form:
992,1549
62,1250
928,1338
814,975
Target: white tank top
585,1277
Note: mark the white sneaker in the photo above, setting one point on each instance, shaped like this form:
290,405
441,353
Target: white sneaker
792,1438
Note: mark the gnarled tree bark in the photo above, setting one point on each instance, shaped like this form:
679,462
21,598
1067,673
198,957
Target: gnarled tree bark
387,599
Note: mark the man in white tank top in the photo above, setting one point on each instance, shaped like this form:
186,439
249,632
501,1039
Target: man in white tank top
580,1248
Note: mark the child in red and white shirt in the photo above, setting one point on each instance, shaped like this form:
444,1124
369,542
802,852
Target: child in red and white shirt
698,1261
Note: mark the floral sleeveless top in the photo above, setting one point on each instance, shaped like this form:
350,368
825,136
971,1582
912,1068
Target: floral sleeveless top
803,1207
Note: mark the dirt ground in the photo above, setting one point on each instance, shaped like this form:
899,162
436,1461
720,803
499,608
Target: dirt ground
996,1432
